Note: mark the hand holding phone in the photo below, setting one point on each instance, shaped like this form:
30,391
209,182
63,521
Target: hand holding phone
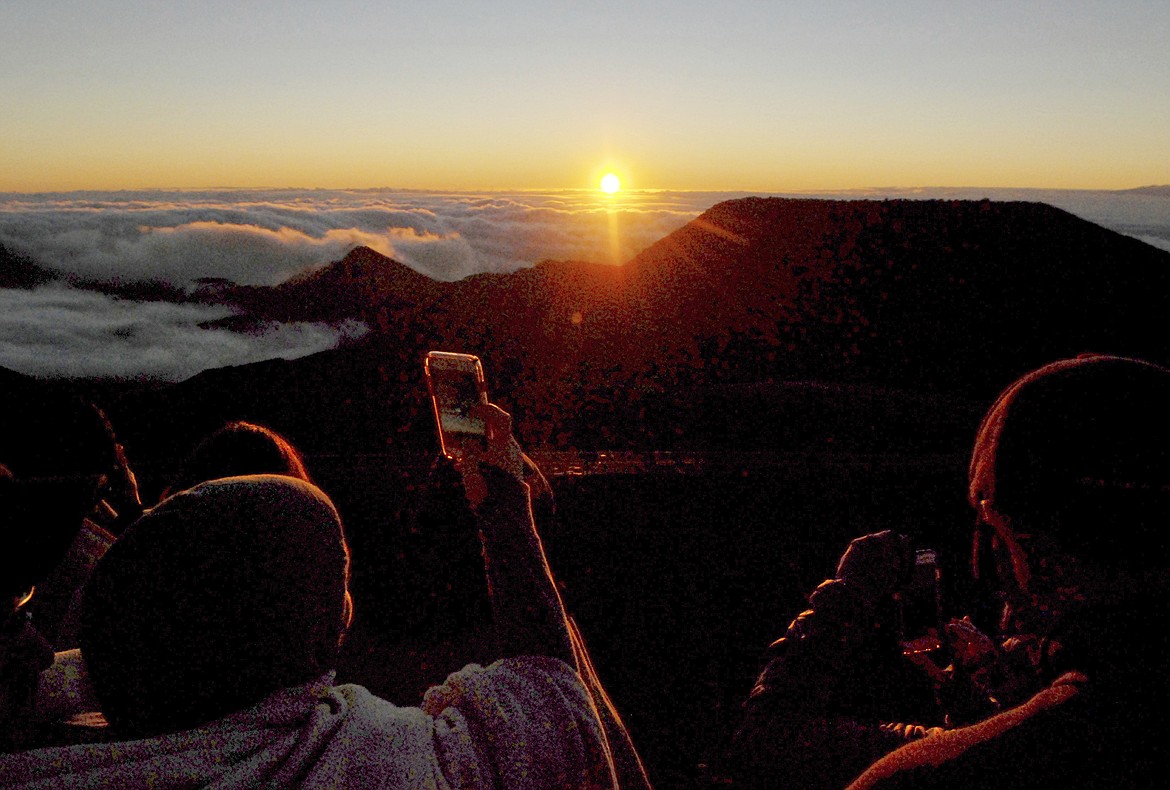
457,387
500,450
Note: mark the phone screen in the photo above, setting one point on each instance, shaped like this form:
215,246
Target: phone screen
457,384
921,607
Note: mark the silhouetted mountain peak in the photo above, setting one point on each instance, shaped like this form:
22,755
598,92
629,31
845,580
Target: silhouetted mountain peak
358,286
362,253
20,271
1156,190
363,267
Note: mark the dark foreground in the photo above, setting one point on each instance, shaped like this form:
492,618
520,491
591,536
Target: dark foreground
678,574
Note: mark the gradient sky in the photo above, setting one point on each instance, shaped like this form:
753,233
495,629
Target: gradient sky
757,96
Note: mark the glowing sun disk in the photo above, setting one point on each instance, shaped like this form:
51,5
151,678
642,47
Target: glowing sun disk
610,183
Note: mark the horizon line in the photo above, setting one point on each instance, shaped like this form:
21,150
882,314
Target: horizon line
574,190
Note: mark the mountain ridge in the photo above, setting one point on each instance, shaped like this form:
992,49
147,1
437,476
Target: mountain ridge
927,296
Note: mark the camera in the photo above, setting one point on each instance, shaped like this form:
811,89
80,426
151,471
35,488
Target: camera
920,605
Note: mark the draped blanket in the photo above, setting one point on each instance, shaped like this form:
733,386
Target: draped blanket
518,723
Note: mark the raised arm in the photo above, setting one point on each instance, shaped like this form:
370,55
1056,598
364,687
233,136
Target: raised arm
528,612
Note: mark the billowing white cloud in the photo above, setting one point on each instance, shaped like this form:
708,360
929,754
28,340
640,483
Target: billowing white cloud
58,331
261,237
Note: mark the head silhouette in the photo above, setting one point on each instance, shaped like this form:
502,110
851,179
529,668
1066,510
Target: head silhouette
60,452
239,448
1078,451
51,432
220,595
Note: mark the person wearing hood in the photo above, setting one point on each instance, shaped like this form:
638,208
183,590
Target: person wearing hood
211,629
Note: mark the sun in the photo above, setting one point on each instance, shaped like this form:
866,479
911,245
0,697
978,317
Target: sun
610,183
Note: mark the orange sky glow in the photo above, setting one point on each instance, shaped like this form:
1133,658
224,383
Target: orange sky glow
762,97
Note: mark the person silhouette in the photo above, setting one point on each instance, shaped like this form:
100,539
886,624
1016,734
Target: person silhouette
238,448
211,627
1070,478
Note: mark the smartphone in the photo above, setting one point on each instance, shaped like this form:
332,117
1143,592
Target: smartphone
456,383
921,605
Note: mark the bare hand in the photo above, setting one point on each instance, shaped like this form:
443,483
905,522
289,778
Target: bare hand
501,451
537,483
971,647
119,501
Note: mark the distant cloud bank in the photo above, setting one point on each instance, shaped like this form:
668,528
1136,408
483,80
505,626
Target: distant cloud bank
56,331
262,237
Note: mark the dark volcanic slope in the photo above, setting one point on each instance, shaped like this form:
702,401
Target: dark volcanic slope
18,271
911,292
937,296
357,286
928,293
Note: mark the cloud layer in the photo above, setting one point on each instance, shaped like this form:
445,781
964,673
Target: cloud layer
57,331
263,237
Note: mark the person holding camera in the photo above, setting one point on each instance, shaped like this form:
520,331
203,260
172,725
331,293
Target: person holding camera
1070,477
1053,674
837,691
65,484
73,491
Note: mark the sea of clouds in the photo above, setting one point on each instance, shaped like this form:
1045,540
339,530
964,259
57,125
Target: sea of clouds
262,237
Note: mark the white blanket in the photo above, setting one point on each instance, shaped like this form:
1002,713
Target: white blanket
519,723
